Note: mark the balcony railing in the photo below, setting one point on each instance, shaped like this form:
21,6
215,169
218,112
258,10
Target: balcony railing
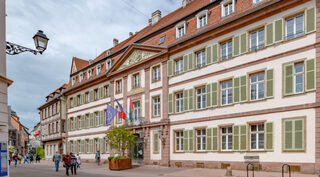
136,121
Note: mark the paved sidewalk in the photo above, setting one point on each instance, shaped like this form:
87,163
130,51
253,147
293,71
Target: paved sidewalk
149,170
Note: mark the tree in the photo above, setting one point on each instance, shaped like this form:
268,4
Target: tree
40,151
121,139
11,150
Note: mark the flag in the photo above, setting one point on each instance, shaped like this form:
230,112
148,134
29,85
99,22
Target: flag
110,113
37,133
131,110
122,114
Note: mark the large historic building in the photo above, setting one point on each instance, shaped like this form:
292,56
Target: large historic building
52,122
213,84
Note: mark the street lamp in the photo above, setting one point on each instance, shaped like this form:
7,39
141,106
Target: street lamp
40,41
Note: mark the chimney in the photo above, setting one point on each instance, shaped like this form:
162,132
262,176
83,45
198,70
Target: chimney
185,2
130,34
155,17
115,42
150,21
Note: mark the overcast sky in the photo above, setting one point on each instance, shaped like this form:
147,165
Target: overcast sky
81,28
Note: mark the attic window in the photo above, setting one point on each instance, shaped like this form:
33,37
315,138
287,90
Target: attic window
89,73
227,7
162,38
108,52
98,69
202,19
109,64
81,77
74,78
181,29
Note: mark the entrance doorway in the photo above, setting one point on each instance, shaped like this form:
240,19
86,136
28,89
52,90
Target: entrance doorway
136,152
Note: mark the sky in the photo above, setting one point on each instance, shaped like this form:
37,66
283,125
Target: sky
80,28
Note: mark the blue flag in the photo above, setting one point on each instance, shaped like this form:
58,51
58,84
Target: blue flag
110,113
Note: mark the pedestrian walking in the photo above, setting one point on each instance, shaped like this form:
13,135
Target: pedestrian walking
98,157
56,159
28,157
10,159
67,163
73,164
31,158
38,158
78,161
25,159
15,158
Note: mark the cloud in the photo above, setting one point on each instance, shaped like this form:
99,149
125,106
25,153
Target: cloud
82,28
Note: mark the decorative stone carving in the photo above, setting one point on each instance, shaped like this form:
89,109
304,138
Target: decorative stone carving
136,56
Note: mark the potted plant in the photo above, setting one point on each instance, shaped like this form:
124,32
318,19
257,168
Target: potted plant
120,140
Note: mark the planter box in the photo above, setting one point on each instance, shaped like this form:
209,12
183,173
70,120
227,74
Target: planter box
120,164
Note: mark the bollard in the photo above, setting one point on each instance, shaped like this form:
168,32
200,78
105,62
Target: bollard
228,171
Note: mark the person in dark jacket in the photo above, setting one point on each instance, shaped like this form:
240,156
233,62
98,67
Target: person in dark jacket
73,164
67,162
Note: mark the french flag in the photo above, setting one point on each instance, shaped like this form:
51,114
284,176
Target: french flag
122,114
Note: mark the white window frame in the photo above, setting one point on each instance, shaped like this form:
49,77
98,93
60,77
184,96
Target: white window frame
74,79
295,77
201,139
201,58
202,97
227,2
227,89
178,66
87,97
119,86
79,122
179,102
202,19
256,134
156,106
259,43
256,1
108,64
181,29
96,94
228,50
257,85
179,145
81,76
98,68
294,27
156,73
89,73
136,80
227,134
136,110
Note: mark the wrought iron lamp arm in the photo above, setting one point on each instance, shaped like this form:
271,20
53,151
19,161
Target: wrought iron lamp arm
14,49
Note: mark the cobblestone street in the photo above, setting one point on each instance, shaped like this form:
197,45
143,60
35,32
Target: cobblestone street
46,169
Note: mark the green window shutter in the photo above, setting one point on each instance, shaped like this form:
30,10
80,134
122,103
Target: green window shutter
76,122
209,95
299,134
310,20
170,104
102,119
91,119
236,46
269,83
243,88
91,145
101,142
76,149
236,138
185,140
83,98
244,43
236,90
191,61
185,63
209,54
243,137
69,103
91,95
268,126
215,53
214,92
185,100
269,34
310,75
191,99
100,92
209,139
74,101
81,146
215,139
82,121
288,79
288,128
191,140
155,142
170,68
278,30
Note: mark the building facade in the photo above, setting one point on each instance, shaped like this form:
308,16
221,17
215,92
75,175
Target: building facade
35,137
52,122
212,84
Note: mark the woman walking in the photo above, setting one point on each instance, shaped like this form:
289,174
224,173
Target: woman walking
67,162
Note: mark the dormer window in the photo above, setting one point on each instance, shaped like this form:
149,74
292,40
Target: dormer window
89,73
181,29
98,69
227,7
202,19
74,78
81,75
109,64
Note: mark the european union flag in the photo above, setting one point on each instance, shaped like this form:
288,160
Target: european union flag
110,113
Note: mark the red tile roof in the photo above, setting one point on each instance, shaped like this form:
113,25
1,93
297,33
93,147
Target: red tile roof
80,63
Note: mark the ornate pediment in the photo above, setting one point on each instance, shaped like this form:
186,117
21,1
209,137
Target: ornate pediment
136,56
74,68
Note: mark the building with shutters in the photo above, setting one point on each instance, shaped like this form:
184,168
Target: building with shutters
215,83
52,123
